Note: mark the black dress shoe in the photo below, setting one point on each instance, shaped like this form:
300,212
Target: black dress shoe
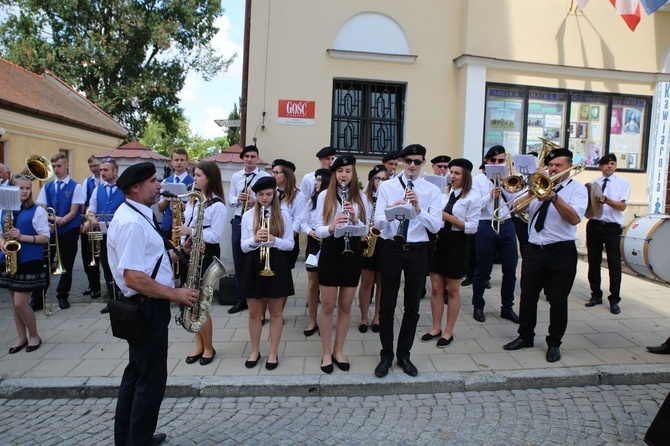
375,328
311,331
382,368
193,359
104,310
240,306
445,298
510,315
32,348
478,315
344,366
271,365
429,337
593,302
327,368
63,303
96,294
87,291
466,282
442,342
553,353
251,364
487,285
663,349
517,344
18,348
36,306
158,438
363,328
614,308
407,366
205,361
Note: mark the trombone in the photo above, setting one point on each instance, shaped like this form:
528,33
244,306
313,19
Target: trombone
265,250
58,270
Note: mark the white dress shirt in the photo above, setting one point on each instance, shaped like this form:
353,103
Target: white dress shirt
617,189
556,228
93,203
307,184
283,243
467,209
321,228
483,186
309,218
237,184
213,220
78,197
295,210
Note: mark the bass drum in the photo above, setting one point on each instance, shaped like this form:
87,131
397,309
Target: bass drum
645,244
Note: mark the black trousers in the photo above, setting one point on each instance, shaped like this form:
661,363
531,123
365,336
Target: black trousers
413,262
92,272
555,266
597,235
144,379
68,252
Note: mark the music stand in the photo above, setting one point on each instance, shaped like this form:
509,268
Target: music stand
400,212
348,230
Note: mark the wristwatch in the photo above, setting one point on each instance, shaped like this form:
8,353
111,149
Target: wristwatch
553,199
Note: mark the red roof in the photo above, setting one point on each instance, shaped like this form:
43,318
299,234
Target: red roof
230,155
133,149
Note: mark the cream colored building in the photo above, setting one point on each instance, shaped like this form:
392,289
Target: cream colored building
459,76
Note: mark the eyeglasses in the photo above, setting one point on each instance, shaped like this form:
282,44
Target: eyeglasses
410,161
275,173
497,160
379,179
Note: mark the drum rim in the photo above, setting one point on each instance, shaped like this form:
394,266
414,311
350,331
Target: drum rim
645,250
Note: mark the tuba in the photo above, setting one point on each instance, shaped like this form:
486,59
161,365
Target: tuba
265,250
194,318
12,246
38,168
373,234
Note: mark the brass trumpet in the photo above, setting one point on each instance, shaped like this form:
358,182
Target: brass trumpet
265,250
59,269
95,238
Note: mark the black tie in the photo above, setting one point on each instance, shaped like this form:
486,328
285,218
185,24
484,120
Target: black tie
604,184
281,194
542,212
176,180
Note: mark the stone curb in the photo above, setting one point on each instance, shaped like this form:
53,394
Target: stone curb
345,385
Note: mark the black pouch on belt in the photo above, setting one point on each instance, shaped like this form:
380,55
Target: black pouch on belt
125,319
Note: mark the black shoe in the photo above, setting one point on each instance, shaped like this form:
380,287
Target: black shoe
382,368
311,331
663,349
614,308
271,365
517,344
96,294
344,366
478,315
429,337
18,348
553,353
466,282
375,328
487,285
158,438
63,303
407,366
32,348
363,328
251,364
240,306
423,292
193,359
36,306
104,310
205,361
510,315
442,343
87,291
445,298
327,368
593,302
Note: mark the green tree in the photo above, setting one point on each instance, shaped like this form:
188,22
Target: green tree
234,133
130,57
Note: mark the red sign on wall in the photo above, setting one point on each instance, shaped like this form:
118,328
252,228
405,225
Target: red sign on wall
296,112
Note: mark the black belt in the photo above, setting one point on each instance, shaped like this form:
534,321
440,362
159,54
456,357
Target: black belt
553,245
502,222
136,298
605,223
410,246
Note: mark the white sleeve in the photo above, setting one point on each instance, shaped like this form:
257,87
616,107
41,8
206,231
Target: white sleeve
41,222
93,203
472,213
321,228
214,233
286,241
299,205
42,196
247,241
79,196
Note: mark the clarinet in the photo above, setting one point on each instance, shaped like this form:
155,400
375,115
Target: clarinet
347,252
401,235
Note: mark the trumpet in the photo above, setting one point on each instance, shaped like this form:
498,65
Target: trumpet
247,186
347,252
401,234
95,238
265,250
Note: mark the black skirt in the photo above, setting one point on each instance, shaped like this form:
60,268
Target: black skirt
375,262
313,247
30,276
255,286
336,269
450,253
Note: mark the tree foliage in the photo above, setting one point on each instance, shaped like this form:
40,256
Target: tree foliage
130,57
155,137
234,132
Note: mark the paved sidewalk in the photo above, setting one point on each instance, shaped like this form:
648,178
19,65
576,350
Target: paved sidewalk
79,358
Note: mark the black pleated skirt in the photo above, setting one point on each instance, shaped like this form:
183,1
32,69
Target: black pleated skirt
255,286
449,257
336,269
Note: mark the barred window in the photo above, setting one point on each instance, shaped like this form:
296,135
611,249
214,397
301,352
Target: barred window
367,117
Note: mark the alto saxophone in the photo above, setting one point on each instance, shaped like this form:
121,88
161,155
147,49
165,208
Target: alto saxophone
177,221
12,246
373,234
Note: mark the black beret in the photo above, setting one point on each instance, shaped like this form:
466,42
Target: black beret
326,151
441,159
493,151
413,149
264,183
461,162
343,160
556,153
534,153
390,156
607,158
135,174
248,149
281,162
481,167
375,170
322,172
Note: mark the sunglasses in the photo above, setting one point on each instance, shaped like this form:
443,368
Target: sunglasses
411,161
497,160
20,176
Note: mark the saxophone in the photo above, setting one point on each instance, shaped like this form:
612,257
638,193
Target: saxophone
194,318
177,220
12,246
373,234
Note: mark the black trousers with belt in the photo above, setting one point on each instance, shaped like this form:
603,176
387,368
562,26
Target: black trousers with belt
412,260
68,246
552,267
609,234
144,379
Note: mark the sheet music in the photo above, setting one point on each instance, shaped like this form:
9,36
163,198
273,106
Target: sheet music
524,164
175,188
10,198
437,180
496,171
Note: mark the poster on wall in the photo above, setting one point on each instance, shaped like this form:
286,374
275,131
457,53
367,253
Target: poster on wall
296,112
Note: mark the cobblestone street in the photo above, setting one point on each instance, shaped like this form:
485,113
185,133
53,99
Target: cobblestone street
602,415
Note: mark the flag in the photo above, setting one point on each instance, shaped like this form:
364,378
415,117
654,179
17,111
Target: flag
651,6
629,10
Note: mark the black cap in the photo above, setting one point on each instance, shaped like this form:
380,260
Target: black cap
135,174
390,156
343,160
461,162
413,149
556,153
607,158
326,151
322,172
248,149
264,183
493,151
281,162
441,159
375,170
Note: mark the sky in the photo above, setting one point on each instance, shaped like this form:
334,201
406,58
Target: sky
203,102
